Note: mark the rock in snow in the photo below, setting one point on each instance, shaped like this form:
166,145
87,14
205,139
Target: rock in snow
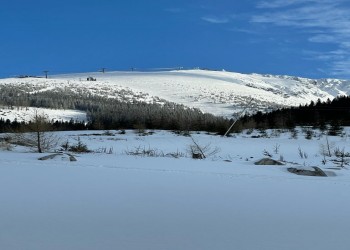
268,161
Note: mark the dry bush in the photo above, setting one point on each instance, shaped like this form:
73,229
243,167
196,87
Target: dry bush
37,135
199,151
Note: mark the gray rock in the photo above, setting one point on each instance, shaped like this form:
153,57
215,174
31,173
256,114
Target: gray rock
72,158
47,157
51,156
268,161
316,172
319,172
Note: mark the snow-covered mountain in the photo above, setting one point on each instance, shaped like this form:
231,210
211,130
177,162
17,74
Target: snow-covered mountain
217,92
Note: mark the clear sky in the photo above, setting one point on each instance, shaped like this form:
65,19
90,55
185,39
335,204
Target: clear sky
309,38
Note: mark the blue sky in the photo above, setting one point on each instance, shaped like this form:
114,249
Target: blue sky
309,38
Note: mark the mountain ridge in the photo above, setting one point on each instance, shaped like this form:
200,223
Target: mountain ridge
220,93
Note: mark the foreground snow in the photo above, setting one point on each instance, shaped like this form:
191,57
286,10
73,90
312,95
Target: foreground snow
118,201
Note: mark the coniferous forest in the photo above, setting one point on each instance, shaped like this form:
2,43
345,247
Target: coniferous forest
335,113
108,113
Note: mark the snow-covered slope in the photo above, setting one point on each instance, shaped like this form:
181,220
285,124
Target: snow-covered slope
217,92
26,114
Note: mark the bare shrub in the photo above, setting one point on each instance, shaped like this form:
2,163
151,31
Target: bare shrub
146,152
302,154
266,153
151,152
327,148
104,150
39,135
342,157
65,146
276,148
176,154
199,151
42,143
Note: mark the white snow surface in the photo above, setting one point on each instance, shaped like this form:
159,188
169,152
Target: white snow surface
26,114
217,92
119,201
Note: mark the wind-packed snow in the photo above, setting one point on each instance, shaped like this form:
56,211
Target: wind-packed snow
111,199
217,92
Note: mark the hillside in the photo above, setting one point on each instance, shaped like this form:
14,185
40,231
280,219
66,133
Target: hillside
216,92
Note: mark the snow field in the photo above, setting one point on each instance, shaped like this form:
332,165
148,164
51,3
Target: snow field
26,114
119,201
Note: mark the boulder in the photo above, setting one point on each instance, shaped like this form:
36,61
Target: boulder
268,161
47,157
306,172
71,157
52,156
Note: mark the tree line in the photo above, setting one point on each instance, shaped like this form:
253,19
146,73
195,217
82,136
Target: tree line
110,113
331,113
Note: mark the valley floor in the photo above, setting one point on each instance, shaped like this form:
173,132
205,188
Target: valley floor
111,199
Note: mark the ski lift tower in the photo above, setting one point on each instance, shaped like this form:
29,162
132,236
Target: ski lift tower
45,72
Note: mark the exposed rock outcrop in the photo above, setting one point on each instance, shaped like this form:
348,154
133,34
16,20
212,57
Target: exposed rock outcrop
268,161
316,172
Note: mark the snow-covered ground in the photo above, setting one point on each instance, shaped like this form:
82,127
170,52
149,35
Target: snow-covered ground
217,92
26,114
111,199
